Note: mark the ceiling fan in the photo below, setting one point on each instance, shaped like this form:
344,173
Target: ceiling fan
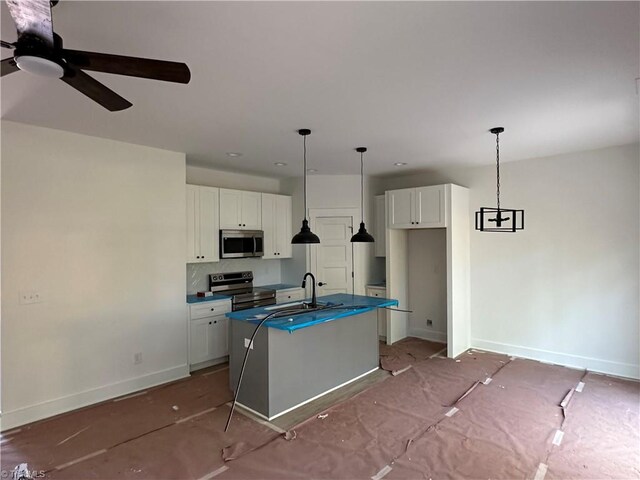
39,50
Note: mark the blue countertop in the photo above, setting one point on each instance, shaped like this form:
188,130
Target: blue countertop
280,286
197,299
350,305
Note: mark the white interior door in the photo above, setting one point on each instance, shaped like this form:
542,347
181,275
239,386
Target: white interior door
334,255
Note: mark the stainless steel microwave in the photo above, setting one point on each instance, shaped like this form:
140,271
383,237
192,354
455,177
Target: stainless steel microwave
241,243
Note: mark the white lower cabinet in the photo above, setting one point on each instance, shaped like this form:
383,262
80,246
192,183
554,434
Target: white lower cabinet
208,333
381,292
290,295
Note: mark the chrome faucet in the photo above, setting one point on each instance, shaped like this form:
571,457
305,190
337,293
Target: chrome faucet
314,301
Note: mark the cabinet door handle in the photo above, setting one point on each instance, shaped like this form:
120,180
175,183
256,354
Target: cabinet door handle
209,323
215,321
212,309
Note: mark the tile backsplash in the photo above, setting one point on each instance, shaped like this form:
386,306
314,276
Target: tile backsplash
265,272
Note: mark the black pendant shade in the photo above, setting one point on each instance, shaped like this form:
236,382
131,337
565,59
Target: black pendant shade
362,236
305,236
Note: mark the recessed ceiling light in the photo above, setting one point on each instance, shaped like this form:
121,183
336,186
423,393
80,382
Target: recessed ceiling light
280,164
234,154
400,164
311,170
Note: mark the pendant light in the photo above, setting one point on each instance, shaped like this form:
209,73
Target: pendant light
489,219
305,235
362,236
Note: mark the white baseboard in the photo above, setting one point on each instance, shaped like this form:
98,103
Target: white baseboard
427,334
619,369
308,400
49,408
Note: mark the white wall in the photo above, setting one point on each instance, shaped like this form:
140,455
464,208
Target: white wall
427,250
264,271
237,181
327,192
97,228
566,288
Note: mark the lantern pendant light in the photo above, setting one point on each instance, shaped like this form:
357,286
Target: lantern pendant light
362,236
489,219
305,235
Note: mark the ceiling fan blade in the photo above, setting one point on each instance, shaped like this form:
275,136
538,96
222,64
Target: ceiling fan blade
95,90
32,17
8,66
8,45
131,66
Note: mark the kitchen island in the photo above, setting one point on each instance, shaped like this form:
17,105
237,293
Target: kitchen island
297,358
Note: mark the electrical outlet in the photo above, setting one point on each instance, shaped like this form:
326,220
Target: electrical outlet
246,344
29,297
429,322
137,358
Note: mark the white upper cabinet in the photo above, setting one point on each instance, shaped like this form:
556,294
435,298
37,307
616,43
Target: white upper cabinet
276,224
422,207
202,224
240,210
430,206
401,207
379,226
252,210
230,209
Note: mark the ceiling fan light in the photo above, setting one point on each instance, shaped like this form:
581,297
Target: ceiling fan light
39,66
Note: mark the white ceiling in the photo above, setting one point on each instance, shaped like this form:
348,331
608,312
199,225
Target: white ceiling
415,82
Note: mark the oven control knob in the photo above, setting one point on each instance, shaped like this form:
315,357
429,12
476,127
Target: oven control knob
215,277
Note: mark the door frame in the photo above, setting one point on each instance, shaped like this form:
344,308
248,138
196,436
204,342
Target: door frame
358,258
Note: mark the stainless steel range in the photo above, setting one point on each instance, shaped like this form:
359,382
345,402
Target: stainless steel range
239,286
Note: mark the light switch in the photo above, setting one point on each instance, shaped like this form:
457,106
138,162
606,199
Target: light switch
246,343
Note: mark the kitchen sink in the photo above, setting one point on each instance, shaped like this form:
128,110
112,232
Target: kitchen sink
285,306
299,308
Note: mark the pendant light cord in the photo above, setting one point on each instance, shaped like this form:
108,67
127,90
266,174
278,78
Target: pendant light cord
361,188
498,169
304,143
